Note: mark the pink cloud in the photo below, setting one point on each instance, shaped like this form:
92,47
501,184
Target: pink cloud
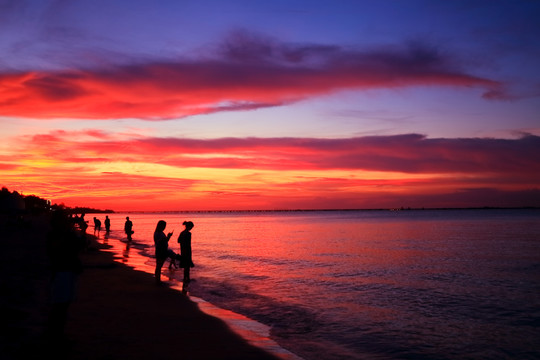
457,172
248,74
410,153
8,166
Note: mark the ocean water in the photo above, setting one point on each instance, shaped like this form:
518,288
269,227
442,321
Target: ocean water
415,284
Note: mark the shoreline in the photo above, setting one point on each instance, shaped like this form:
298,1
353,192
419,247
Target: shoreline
118,313
251,331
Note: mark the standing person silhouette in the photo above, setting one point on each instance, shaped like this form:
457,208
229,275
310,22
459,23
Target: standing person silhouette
161,242
128,228
97,226
184,239
83,225
107,224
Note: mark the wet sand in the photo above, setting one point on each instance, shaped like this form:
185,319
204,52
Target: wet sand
119,312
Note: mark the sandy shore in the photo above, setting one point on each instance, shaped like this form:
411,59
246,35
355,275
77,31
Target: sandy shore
119,313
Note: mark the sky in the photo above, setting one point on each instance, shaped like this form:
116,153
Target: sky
264,105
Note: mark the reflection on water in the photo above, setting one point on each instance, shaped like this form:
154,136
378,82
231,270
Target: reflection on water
125,253
351,285
136,255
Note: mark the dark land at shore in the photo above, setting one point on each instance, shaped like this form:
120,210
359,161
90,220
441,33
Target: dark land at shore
119,313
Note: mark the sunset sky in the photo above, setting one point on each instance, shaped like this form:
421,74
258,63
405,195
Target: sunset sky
214,105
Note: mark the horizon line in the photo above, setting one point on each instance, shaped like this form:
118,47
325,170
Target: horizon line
329,210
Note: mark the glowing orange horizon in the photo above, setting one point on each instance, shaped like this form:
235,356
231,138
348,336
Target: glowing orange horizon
110,171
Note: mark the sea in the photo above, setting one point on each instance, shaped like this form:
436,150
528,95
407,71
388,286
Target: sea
359,284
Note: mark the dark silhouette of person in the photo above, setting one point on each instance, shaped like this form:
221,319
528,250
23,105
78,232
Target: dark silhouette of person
83,225
97,226
107,224
63,248
161,242
128,228
184,239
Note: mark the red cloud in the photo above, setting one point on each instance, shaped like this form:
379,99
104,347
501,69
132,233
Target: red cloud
244,77
65,166
411,153
8,166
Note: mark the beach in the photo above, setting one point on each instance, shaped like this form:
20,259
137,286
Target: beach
118,312
437,284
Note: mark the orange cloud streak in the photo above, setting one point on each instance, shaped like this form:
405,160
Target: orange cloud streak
100,169
411,153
